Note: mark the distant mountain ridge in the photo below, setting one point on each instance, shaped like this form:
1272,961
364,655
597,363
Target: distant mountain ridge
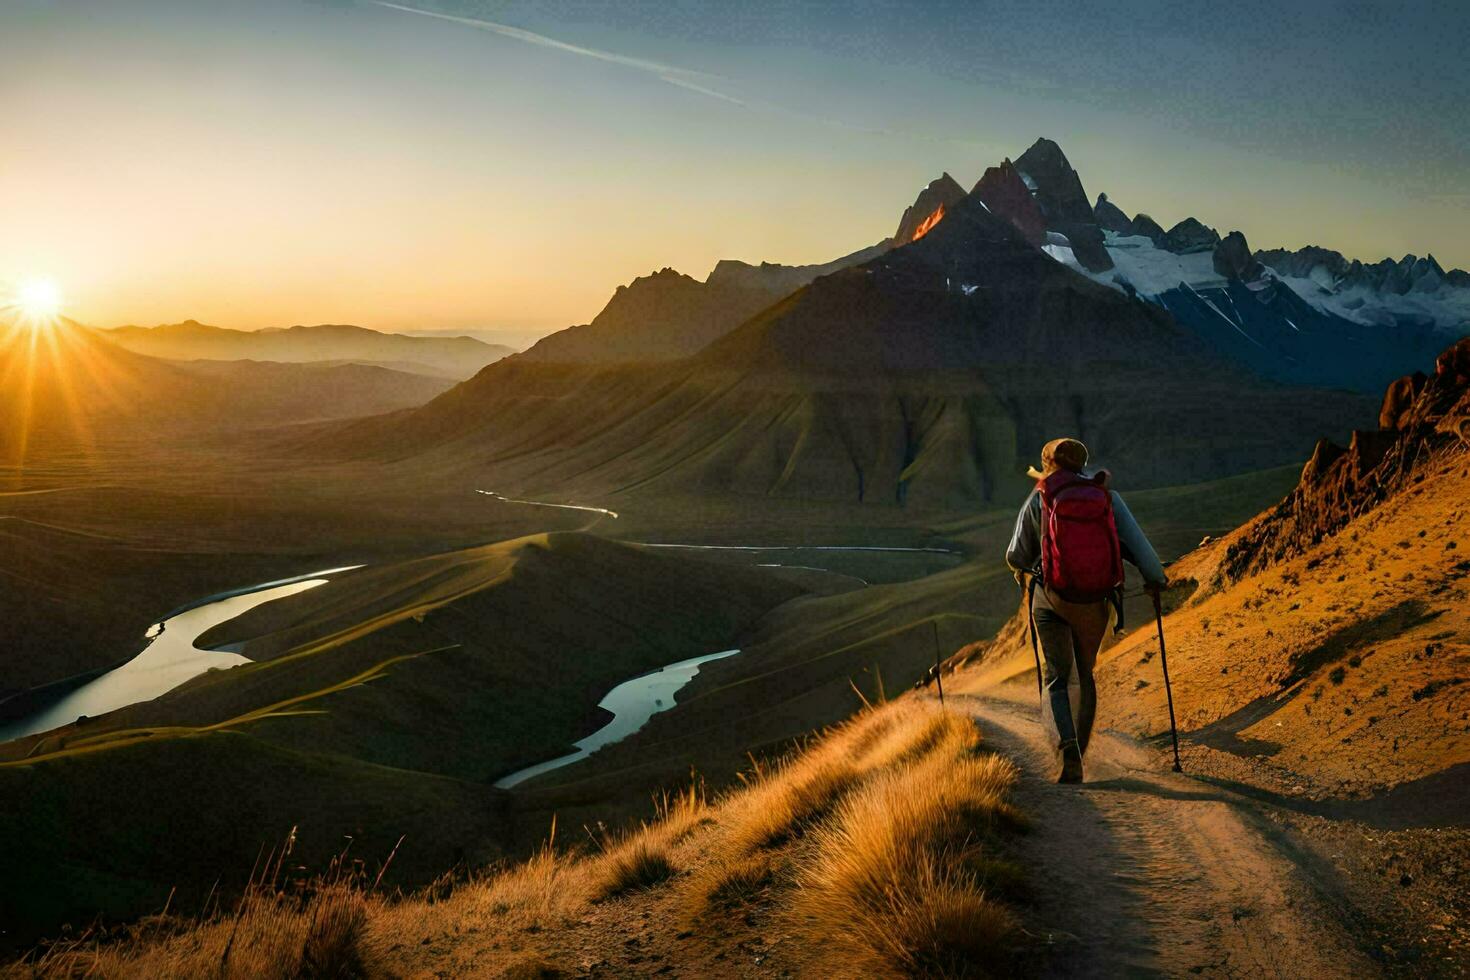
668,315
925,372
444,356
72,387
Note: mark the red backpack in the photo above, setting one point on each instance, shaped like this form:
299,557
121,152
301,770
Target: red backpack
1081,560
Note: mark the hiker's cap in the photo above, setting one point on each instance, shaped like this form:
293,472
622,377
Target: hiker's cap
1060,454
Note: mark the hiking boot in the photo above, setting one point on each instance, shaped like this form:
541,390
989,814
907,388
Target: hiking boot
1071,764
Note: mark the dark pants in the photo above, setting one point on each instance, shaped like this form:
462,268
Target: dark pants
1070,634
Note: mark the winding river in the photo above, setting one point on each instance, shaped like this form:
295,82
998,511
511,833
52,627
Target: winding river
170,659
632,703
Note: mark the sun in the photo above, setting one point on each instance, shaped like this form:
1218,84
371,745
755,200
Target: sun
38,299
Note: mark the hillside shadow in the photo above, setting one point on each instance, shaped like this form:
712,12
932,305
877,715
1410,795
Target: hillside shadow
1390,623
1437,801
1224,734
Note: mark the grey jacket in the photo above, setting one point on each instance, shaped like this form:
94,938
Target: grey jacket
1024,552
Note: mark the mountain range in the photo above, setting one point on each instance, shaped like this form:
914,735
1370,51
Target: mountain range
441,356
926,370
1308,317
927,374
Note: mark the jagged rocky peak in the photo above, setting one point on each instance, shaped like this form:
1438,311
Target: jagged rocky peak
644,293
928,209
1110,217
1191,235
1004,193
666,275
1057,187
1233,259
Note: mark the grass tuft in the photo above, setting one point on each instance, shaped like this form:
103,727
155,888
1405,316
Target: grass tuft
893,883
727,885
640,862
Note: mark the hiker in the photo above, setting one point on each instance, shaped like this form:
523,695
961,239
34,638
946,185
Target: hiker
1071,538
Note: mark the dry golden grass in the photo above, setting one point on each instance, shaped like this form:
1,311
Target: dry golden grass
642,861
273,934
897,806
644,857
727,884
895,881
539,894
891,813
782,799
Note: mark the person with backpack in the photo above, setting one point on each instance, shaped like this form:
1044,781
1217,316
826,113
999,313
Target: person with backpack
1072,536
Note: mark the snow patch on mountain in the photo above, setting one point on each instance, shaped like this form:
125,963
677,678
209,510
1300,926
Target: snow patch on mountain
1149,271
1370,307
1140,267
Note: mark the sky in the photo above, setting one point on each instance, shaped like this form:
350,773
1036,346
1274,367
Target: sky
505,165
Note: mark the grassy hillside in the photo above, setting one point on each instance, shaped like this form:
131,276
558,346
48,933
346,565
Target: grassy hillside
879,849
110,542
454,670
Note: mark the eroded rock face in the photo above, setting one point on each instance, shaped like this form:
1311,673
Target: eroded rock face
1190,235
1423,417
1400,398
1002,190
1110,217
1454,363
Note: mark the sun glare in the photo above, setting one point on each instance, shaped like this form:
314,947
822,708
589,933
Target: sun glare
38,299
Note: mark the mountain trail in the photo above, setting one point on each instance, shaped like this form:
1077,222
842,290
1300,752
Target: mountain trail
1144,872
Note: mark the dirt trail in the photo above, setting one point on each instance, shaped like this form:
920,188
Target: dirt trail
1142,872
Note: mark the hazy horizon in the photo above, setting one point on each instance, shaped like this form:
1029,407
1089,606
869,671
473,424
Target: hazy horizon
505,166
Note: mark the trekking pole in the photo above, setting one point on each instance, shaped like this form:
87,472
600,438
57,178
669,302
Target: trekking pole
1026,596
938,672
1168,691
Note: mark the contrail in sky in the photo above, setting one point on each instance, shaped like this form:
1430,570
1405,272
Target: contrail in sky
685,78
681,77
